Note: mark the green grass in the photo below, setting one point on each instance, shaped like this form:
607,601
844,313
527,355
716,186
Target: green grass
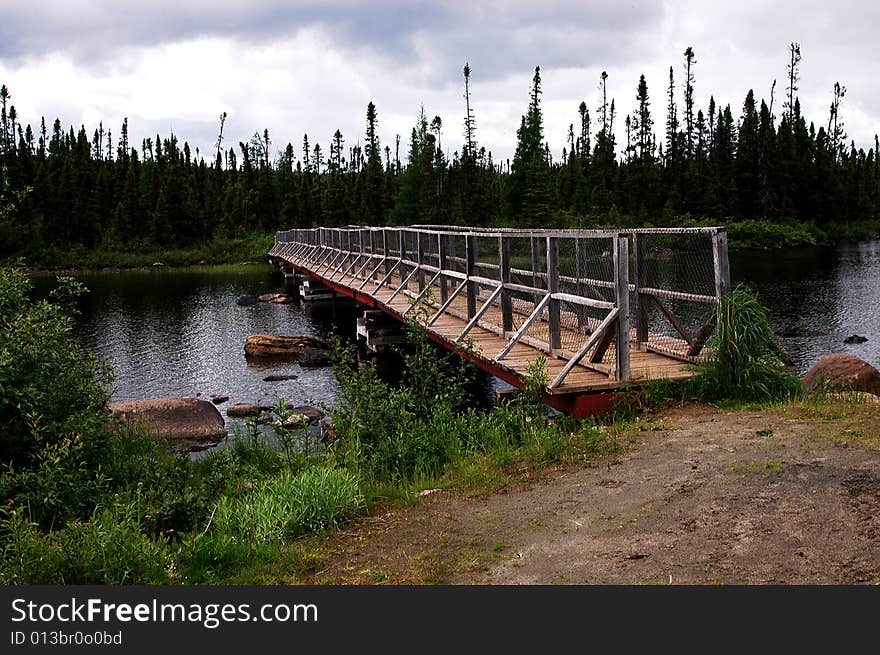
250,248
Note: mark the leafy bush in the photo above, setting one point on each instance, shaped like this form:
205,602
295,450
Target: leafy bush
108,549
53,399
50,389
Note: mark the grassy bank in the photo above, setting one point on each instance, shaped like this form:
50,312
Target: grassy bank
246,249
764,234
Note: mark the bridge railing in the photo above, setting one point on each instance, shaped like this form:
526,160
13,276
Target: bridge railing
592,297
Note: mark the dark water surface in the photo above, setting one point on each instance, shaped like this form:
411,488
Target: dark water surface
180,332
817,297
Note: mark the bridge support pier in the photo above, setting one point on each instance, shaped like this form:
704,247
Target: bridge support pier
376,330
291,280
310,290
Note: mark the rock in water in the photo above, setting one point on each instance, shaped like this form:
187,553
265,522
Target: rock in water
279,378
240,410
855,339
245,301
219,400
311,413
187,424
267,346
842,372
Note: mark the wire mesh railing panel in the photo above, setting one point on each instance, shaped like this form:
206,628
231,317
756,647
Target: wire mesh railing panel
674,290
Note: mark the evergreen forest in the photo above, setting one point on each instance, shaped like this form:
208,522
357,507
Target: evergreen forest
759,163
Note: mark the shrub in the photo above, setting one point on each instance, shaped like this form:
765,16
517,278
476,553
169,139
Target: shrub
745,362
110,548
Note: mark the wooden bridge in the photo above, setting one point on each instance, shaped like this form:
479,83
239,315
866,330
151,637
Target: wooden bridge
607,309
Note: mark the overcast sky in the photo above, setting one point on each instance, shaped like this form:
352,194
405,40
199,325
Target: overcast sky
299,66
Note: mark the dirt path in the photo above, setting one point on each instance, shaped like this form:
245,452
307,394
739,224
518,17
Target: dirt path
771,496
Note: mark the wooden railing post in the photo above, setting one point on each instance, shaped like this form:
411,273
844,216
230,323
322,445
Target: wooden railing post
580,267
401,242
553,287
420,259
640,311
374,254
621,292
385,250
721,263
536,263
504,278
442,243
470,247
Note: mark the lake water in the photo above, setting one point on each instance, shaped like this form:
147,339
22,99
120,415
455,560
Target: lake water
180,332
816,297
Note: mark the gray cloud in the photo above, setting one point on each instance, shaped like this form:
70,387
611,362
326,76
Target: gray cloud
424,38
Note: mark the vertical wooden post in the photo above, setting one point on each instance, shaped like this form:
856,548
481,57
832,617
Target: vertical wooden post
373,253
401,242
621,290
470,248
536,263
420,257
385,250
580,256
640,311
442,242
553,287
504,278
721,263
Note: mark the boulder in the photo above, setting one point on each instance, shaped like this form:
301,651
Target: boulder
245,301
279,378
842,372
218,400
267,346
187,424
311,413
855,338
241,410
282,299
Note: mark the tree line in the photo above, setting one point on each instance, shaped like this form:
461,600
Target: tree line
63,187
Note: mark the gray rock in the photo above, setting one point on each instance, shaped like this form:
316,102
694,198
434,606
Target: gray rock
312,413
855,339
279,378
241,410
187,424
246,301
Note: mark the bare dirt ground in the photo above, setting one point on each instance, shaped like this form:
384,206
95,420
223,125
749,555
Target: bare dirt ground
788,495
